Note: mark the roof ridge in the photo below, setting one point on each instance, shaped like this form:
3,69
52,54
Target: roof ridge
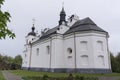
85,21
85,24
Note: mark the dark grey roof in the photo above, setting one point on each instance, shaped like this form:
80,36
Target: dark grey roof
49,32
32,33
84,25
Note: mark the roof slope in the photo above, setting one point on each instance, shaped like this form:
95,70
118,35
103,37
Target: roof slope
81,25
84,25
49,32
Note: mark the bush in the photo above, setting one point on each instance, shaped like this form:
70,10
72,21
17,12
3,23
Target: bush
77,77
45,77
70,77
91,78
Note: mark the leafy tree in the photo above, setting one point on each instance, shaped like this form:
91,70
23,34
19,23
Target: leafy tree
4,18
4,62
10,60
7,62
118,57
118,62
18,60
115,62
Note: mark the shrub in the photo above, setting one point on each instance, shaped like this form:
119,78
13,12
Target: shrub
77,77
91,78
45,77
70,77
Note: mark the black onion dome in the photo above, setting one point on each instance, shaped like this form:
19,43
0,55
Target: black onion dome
32,32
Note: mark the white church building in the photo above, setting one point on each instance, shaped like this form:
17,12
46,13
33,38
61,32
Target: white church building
74,45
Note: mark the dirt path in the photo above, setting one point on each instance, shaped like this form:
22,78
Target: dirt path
10,76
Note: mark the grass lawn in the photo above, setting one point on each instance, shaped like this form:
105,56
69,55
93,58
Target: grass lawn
1,76
25,73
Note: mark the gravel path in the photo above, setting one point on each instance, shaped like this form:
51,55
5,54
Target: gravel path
10,76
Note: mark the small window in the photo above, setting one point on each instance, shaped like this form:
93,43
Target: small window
69,56
100,45
101,60
37,51
25,55
69,50
70,60
83,45
84,60
48,49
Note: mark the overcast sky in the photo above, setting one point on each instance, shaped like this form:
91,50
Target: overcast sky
105,13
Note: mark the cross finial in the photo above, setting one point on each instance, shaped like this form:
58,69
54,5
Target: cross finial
62,4
33,21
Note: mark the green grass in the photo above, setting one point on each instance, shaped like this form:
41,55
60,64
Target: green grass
25,73
1,76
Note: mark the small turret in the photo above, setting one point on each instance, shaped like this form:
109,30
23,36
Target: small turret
72,19
32,33
62,16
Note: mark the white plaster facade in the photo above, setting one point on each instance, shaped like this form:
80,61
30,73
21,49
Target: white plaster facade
80,50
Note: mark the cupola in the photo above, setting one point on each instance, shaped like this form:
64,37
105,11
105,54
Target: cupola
32,33
62,16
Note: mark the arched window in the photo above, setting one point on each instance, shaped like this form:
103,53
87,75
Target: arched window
101,60
25,55
37,51
100,45
70,57
84,60
69,50
48,49
83,45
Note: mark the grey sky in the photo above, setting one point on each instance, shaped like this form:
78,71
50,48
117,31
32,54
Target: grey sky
105,13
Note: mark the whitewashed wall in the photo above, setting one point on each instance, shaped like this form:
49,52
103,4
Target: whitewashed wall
69,57
84,54
101,52
92,51
26,56
85,45
42,59
58,55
